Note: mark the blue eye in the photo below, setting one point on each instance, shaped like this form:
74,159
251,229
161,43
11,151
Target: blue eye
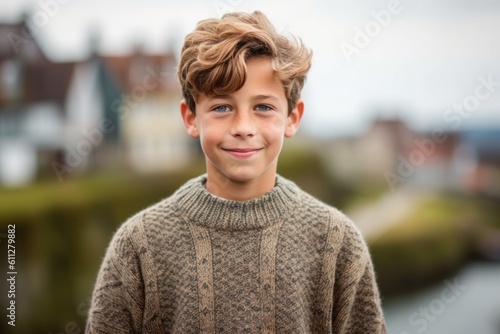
263,107
222,108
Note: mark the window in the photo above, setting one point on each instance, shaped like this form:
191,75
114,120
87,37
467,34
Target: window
10,79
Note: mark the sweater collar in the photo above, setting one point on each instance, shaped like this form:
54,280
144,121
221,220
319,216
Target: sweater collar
201,207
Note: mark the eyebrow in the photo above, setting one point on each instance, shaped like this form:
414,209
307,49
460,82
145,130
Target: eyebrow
256,97
265,97
225,96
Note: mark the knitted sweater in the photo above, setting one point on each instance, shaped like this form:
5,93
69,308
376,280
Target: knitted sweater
197,263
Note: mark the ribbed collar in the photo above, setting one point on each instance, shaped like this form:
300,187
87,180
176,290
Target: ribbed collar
201,207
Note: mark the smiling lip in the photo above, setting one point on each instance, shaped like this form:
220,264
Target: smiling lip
242,152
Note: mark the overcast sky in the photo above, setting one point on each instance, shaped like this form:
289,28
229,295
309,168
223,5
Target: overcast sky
420,60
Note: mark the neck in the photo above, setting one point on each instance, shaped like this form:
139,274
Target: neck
222,186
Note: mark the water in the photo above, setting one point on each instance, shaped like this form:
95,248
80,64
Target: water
468,303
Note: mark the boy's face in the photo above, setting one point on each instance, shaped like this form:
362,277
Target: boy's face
242,133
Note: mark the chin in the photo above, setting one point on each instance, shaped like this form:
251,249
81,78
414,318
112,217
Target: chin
241,177
247,175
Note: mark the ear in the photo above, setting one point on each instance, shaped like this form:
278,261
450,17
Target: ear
293,121
189,119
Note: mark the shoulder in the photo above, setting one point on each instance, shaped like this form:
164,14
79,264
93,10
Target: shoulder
346,233
147,216
147,224
314,207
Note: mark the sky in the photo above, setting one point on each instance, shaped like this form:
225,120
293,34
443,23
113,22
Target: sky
435,64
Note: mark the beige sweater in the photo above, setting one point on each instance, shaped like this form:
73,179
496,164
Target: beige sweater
196,263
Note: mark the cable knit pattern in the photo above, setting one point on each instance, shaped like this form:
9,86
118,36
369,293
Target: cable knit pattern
197,263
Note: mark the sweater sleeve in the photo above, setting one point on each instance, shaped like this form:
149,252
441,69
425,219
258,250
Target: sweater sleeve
118,296
356,308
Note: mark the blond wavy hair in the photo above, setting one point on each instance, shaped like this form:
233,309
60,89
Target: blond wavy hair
213,57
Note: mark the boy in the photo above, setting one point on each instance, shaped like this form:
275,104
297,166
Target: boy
239,249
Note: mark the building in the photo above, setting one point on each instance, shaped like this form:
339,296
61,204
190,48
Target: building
58,119
392,153
153,137
32,106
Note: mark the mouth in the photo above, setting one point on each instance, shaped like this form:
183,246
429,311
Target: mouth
242,152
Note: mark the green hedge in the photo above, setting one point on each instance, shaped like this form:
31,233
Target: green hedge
431,242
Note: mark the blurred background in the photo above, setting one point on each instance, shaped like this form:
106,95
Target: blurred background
401,132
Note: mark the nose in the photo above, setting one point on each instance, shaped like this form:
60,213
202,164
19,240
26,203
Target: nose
243,125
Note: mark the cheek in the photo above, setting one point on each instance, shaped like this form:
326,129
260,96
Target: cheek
209,133
273,131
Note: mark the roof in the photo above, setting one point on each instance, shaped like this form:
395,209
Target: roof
129,71
41,79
